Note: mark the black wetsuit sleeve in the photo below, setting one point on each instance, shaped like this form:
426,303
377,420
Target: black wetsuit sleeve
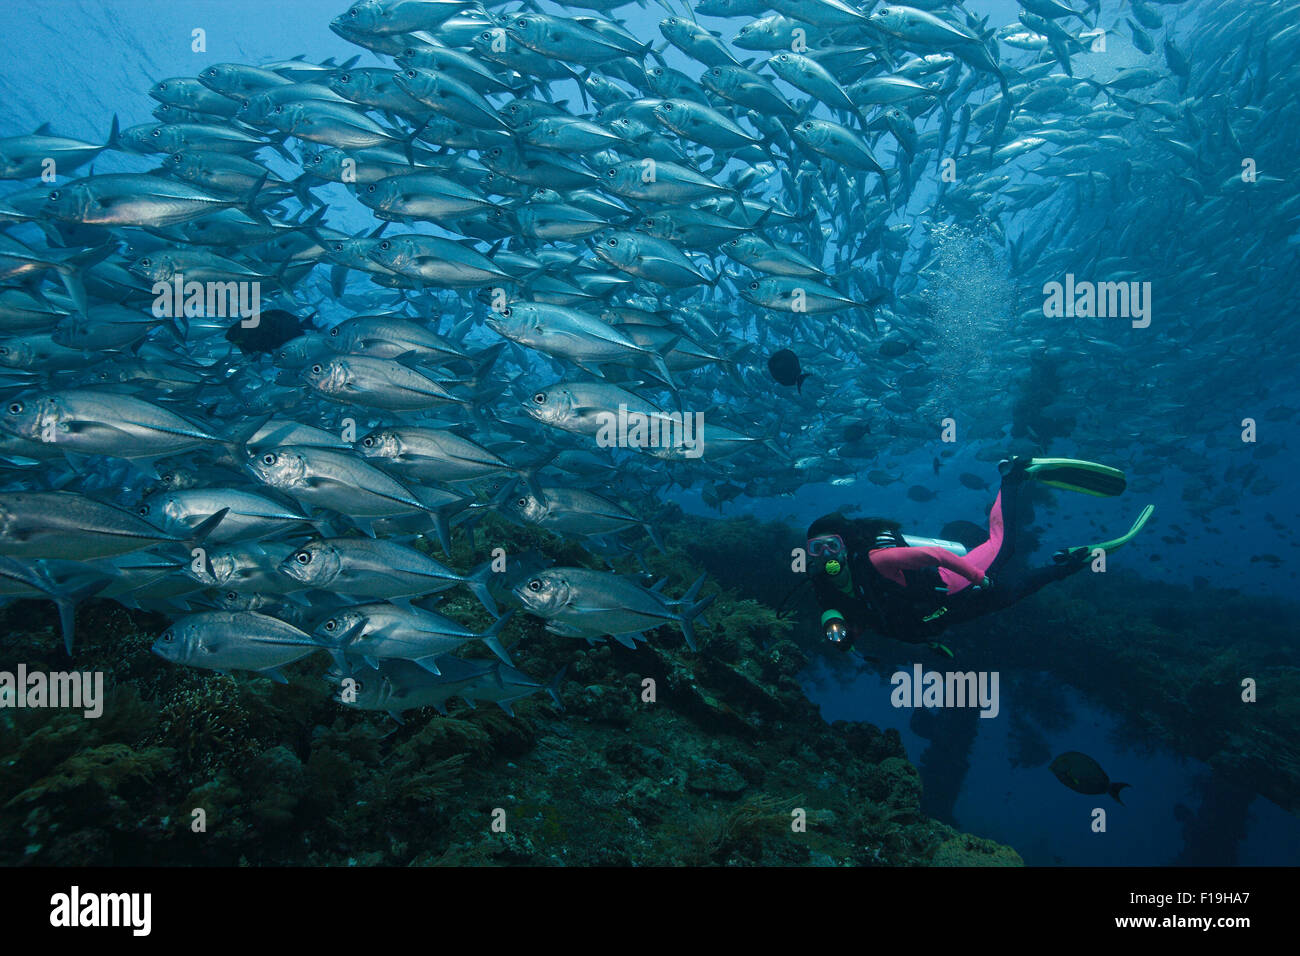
829,597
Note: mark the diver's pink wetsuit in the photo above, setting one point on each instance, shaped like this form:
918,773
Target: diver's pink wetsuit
957,573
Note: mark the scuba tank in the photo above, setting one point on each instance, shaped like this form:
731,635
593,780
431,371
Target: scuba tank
914,541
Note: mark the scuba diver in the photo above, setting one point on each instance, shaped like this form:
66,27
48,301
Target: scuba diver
870,576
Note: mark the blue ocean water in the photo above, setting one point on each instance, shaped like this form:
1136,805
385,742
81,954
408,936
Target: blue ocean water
1026,807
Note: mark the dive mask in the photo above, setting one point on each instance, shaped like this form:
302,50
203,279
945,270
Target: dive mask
827,546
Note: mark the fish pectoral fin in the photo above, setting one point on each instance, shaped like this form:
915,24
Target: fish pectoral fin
429,664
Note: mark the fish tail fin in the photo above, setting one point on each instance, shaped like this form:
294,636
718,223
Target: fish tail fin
251,200
770,443
477,582
114,135
553,688
1114,790
237,444
69,271
205,528
408,142
442,528
301,186
66,600
490,638
653,534
694,609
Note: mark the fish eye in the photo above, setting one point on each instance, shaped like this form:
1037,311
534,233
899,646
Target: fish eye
521,502
507,312
335,331
613,242
368,441
522,23
753,285
144,511
15,408
717,71
330,625
611,173
156,131
279,109
268,459
315,369
144,263
54,194
178,157
385,245
162,86
303,557
539,398
535,585
370,188
168,637
345,78
353,13
668,107
410,74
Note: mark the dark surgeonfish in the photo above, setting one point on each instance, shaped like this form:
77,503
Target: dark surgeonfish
1082,774
785,368
274,328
